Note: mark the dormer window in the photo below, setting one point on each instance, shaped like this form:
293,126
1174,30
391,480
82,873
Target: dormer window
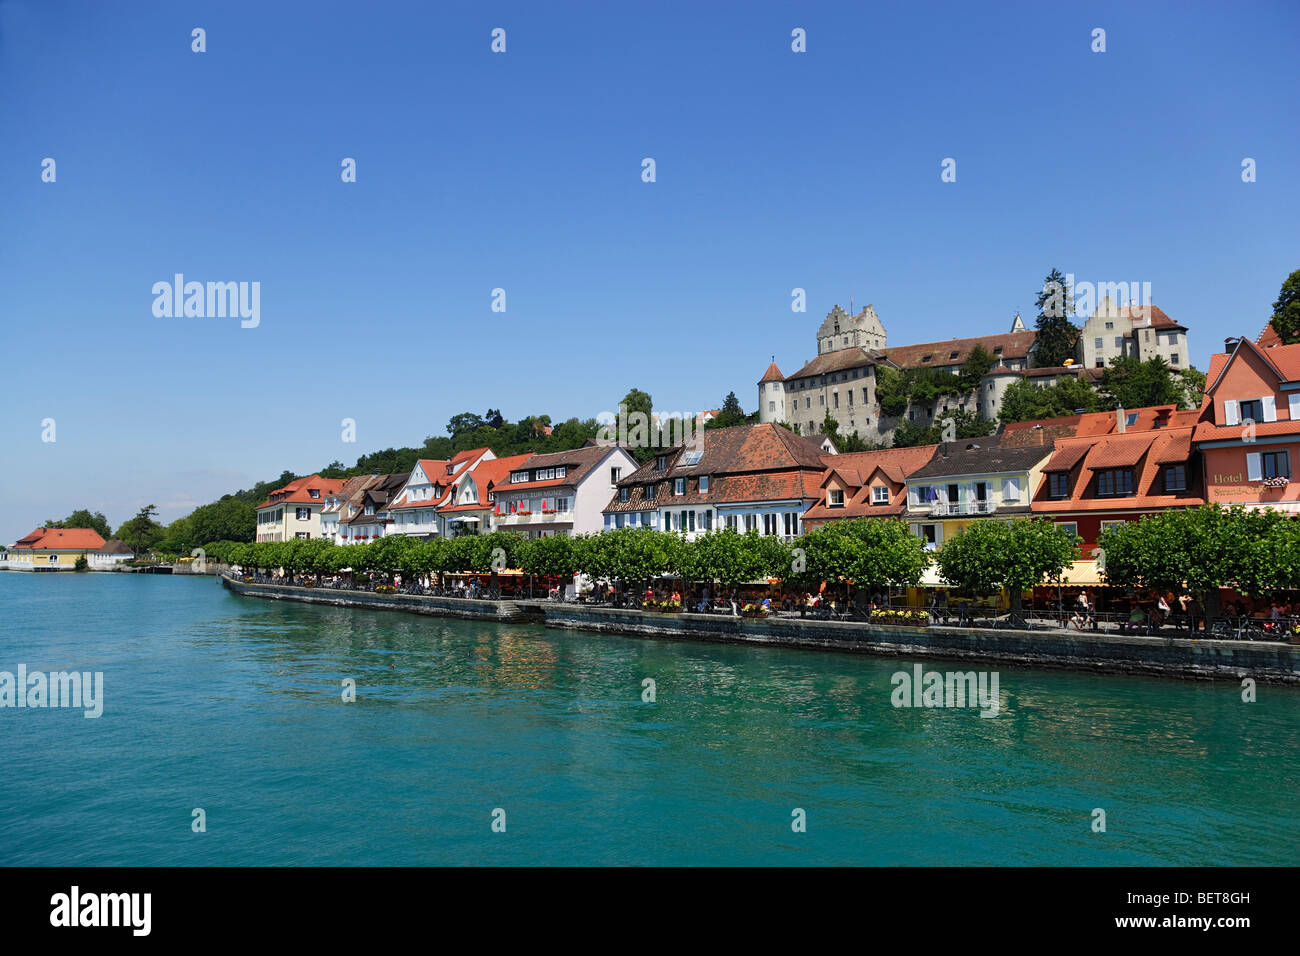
1114,482
649,492
704,482
835,499
370,509
879,495
1253,409
679,486
1058,485
661,462
314,492
1175,478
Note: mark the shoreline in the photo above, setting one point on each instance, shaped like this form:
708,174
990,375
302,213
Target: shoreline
1173,657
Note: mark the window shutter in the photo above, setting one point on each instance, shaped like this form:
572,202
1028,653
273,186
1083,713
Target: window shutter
1011,490
1253,470
1270,408
1231,413
1293,404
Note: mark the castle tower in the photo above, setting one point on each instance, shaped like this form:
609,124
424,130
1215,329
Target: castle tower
843,331
771,395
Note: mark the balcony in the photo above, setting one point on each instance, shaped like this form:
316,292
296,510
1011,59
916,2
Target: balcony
945,509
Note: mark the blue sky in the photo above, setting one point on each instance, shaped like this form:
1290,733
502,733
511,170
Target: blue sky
522,171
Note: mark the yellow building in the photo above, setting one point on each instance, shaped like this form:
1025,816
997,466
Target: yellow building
972,480
52,549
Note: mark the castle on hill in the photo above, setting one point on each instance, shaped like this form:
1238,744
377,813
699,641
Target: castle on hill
851,349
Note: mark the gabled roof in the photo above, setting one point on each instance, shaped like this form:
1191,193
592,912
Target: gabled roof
577,462
1119,451
1013,345
114,547
61,539
867,469
980,456
1282,360
299,491
1149,315
744,463
1145,452
837,361
486,475
350,487
378,491
1268,337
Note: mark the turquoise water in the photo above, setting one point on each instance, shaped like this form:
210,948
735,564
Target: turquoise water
233,705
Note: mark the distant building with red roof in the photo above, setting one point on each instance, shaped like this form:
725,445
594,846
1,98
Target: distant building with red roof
294,511
747,477
1249,426
52,549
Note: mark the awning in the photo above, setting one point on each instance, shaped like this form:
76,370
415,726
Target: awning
1081,573
467,519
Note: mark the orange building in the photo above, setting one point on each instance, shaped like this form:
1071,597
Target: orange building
1249,427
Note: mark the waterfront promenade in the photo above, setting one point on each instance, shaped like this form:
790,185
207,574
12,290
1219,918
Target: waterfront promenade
1172,657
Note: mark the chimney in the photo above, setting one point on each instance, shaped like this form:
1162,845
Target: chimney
1041,434
1230,342
1120,426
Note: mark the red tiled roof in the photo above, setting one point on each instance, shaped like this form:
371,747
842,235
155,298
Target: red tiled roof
61,539
837,361
1268,338
773,374
1172,448
895,464
1119,452
1208,431
1013,345
578,464
299,491
744,463
487,475
1146,453
1150,314
1067,456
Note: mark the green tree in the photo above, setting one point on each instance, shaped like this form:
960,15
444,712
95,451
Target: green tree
730,415
464,422
1057,335
725,559
1131,383
1192,382
1286,310
865,553
1203,550
84,518
228,519
142,532
1024,401
992,555
890,393
977,365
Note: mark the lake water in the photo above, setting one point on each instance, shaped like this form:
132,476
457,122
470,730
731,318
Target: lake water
234,705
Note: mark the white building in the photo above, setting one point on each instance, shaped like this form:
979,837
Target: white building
562,492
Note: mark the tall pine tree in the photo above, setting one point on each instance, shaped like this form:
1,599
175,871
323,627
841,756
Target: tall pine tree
1056,333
